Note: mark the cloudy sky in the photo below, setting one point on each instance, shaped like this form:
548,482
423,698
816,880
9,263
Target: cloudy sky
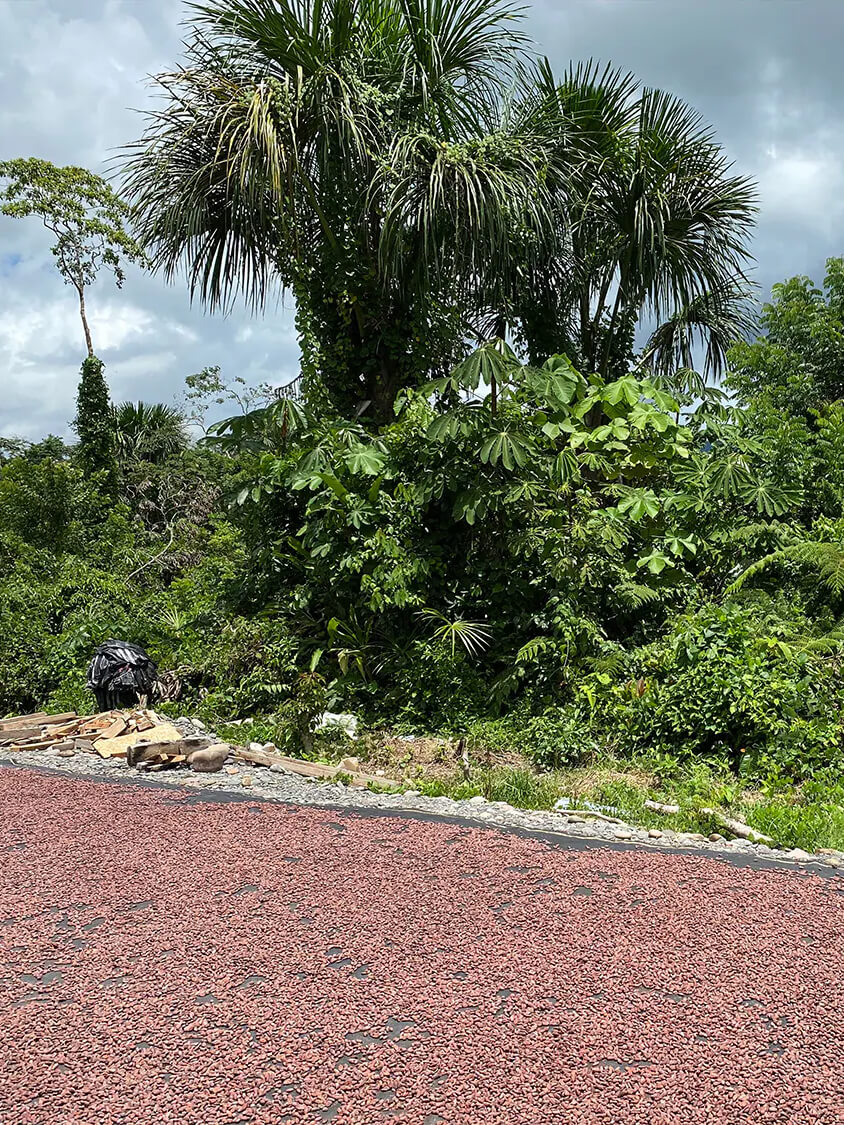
767,75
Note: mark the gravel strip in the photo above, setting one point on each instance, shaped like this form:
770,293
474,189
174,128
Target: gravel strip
276,784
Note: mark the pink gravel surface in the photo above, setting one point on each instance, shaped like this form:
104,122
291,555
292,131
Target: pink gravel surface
164,960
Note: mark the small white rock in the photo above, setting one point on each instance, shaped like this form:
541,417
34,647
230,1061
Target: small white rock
479,800
246,781
622,833
655,834
800,855
269,748
198,723
277,767
232,770
255,747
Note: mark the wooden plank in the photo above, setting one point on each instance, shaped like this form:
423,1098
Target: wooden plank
65,717
40,744
19,734
61,730
163,732
16,720
117,727
39,717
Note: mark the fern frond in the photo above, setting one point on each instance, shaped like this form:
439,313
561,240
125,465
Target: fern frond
827,558
754,569
636,594
828,642
749,531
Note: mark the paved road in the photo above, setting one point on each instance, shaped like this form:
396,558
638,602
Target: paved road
163,959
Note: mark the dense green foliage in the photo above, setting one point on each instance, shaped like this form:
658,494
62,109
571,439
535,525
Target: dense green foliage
570,566
94,423
560,544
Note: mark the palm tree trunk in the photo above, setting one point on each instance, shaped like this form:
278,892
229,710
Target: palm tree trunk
80,289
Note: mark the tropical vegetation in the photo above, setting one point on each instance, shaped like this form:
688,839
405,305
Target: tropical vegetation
550,485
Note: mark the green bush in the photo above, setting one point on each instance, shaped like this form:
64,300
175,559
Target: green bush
719,687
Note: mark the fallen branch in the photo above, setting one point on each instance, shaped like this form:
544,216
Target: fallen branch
658,806
319,770
744,831
592,813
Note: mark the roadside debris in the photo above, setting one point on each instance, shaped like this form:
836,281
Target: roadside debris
140,737
121,675
146,742
348,724
734,827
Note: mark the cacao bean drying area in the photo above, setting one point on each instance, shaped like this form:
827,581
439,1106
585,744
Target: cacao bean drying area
170,955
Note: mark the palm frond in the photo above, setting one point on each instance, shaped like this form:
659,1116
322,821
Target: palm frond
715,320
475,636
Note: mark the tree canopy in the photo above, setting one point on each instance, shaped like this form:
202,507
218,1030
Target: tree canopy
87,218
420,185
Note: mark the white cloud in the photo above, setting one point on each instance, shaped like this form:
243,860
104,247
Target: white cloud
766,75
803,187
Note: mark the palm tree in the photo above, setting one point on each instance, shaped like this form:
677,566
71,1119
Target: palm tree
713,321
404,170
352,152
652,224
148,431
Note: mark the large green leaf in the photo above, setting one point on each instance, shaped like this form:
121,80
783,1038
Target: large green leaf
508,448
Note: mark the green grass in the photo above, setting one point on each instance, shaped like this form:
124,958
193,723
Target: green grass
808,818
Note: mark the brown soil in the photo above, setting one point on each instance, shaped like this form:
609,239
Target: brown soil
406,758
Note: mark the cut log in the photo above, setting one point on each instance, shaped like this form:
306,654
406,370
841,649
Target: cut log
744,831
145,751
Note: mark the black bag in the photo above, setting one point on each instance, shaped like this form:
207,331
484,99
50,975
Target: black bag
120,674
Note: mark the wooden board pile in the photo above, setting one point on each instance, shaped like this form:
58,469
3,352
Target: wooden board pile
146,742
140,736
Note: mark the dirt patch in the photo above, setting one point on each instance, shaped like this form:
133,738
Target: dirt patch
412,758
